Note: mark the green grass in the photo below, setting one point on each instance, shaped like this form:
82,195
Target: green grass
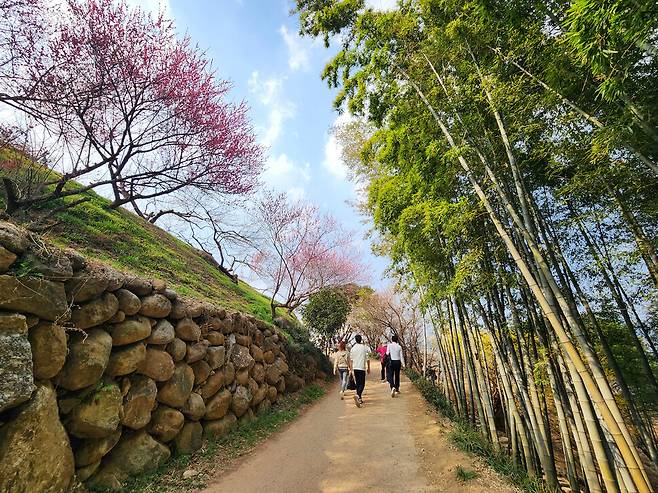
465,475
218,454
469,439
125,241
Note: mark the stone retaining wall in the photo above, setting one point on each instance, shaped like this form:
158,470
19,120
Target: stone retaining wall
104,375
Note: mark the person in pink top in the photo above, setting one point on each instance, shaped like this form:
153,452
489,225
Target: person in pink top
381,350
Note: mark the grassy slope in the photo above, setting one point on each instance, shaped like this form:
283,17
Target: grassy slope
127,242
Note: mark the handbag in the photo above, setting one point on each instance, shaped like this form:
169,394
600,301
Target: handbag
351,384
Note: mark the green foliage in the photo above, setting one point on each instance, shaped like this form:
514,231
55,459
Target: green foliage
326,312
127,242
465,475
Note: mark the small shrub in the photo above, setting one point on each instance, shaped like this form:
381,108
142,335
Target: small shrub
465,474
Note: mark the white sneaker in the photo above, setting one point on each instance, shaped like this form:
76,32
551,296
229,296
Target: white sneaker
392,392
357,401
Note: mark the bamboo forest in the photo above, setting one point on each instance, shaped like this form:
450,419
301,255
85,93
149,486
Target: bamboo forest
507,154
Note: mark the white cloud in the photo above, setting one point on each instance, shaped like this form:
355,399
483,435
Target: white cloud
269,94
333,150
298,50
382,5
283,174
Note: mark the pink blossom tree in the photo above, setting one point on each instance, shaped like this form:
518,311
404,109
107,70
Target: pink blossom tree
301,252
139,110
23,28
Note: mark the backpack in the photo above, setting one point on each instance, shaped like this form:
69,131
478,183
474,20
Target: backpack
343,359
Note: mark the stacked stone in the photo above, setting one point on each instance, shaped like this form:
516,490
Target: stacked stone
103,374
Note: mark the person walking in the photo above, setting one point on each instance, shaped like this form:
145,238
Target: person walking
381,351
342,366
394,351
360,365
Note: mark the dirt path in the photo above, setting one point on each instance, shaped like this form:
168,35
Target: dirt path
389,445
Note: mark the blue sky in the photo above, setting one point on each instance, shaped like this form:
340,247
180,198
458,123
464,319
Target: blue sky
254,43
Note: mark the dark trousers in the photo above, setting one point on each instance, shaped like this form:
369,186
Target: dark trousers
360,380
383,370
394,374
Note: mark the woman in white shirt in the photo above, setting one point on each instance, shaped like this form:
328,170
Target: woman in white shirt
394,351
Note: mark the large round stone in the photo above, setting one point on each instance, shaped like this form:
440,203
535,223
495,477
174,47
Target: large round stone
246,418
14,238
218,405
92,450
269,357
241,400
215,356
272,374
240,357
258,373
242,376
166,423
86,285
252,385
157,364
229,373
162,333
130,330
34,295
220,427
190,438
126,359
87,359
129,303
178,310
197,351
98,415
49,349
95,312
16,374
155,306
34,447
201,371
293,382
175,392
194,408
6,259
243,340
212,385
215,338
141,287
178,349
188,330
256,353
51,264
263,407
259,395
135,454
138,402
